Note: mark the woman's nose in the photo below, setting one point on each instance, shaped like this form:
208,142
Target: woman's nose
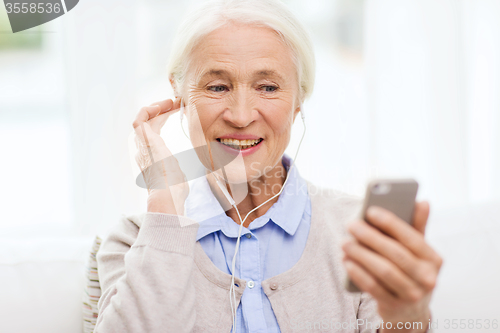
240,112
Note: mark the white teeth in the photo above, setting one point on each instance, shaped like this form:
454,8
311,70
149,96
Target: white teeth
239,144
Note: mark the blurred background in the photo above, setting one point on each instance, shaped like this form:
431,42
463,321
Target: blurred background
404,88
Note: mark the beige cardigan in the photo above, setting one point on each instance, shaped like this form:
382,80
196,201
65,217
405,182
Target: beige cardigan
155,277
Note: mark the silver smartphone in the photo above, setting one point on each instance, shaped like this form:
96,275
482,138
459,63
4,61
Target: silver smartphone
396,195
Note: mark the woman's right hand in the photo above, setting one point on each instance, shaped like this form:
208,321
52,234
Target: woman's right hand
158,166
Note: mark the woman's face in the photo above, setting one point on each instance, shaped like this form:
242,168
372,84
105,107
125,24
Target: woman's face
242,85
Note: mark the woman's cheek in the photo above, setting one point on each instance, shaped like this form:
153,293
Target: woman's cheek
197,126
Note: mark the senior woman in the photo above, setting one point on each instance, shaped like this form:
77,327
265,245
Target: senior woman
242,70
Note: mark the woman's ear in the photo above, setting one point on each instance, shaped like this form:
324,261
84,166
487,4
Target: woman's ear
297,110
179,104
174,86
178,100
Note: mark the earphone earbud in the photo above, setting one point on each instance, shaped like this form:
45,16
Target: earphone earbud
302,112
182,110
182,117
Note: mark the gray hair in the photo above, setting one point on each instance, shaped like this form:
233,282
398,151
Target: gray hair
269,13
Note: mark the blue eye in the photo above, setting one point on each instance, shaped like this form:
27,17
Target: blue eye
217,88
269,88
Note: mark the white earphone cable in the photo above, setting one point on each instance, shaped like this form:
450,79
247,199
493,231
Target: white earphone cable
233,265
181,117
232,293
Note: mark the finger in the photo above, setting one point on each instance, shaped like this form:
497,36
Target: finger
418,270
366,282
164,105
421,216
159,121
168,109
177,103
168,105
389,223
150,142
149,112
146,113
388,275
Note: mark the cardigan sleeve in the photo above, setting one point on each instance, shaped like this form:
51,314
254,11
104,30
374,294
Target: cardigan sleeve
368,313
146,276
368,318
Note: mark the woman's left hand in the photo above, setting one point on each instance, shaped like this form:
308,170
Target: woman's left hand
392,261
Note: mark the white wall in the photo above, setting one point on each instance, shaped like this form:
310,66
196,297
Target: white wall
432,77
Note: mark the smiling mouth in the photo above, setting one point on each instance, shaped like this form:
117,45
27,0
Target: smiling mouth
240,144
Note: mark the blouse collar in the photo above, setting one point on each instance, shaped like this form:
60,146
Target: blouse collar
203,207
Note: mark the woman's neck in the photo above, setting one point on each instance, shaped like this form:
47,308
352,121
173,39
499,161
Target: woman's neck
259,191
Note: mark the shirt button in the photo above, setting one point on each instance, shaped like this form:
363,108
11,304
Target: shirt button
250,284
249,236
274,286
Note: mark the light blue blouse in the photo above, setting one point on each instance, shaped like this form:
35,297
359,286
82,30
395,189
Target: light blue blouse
271,245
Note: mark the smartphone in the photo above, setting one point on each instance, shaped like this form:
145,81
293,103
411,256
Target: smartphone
395,195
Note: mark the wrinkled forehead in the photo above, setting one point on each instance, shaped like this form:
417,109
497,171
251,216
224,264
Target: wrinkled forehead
242,51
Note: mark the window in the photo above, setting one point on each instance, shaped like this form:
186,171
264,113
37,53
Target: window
34,130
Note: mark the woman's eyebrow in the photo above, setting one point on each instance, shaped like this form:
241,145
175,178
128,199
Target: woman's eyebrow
268,73
224,73
215,72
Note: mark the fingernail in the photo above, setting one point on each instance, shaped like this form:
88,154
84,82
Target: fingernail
375,212
355,228
345,244
351,227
